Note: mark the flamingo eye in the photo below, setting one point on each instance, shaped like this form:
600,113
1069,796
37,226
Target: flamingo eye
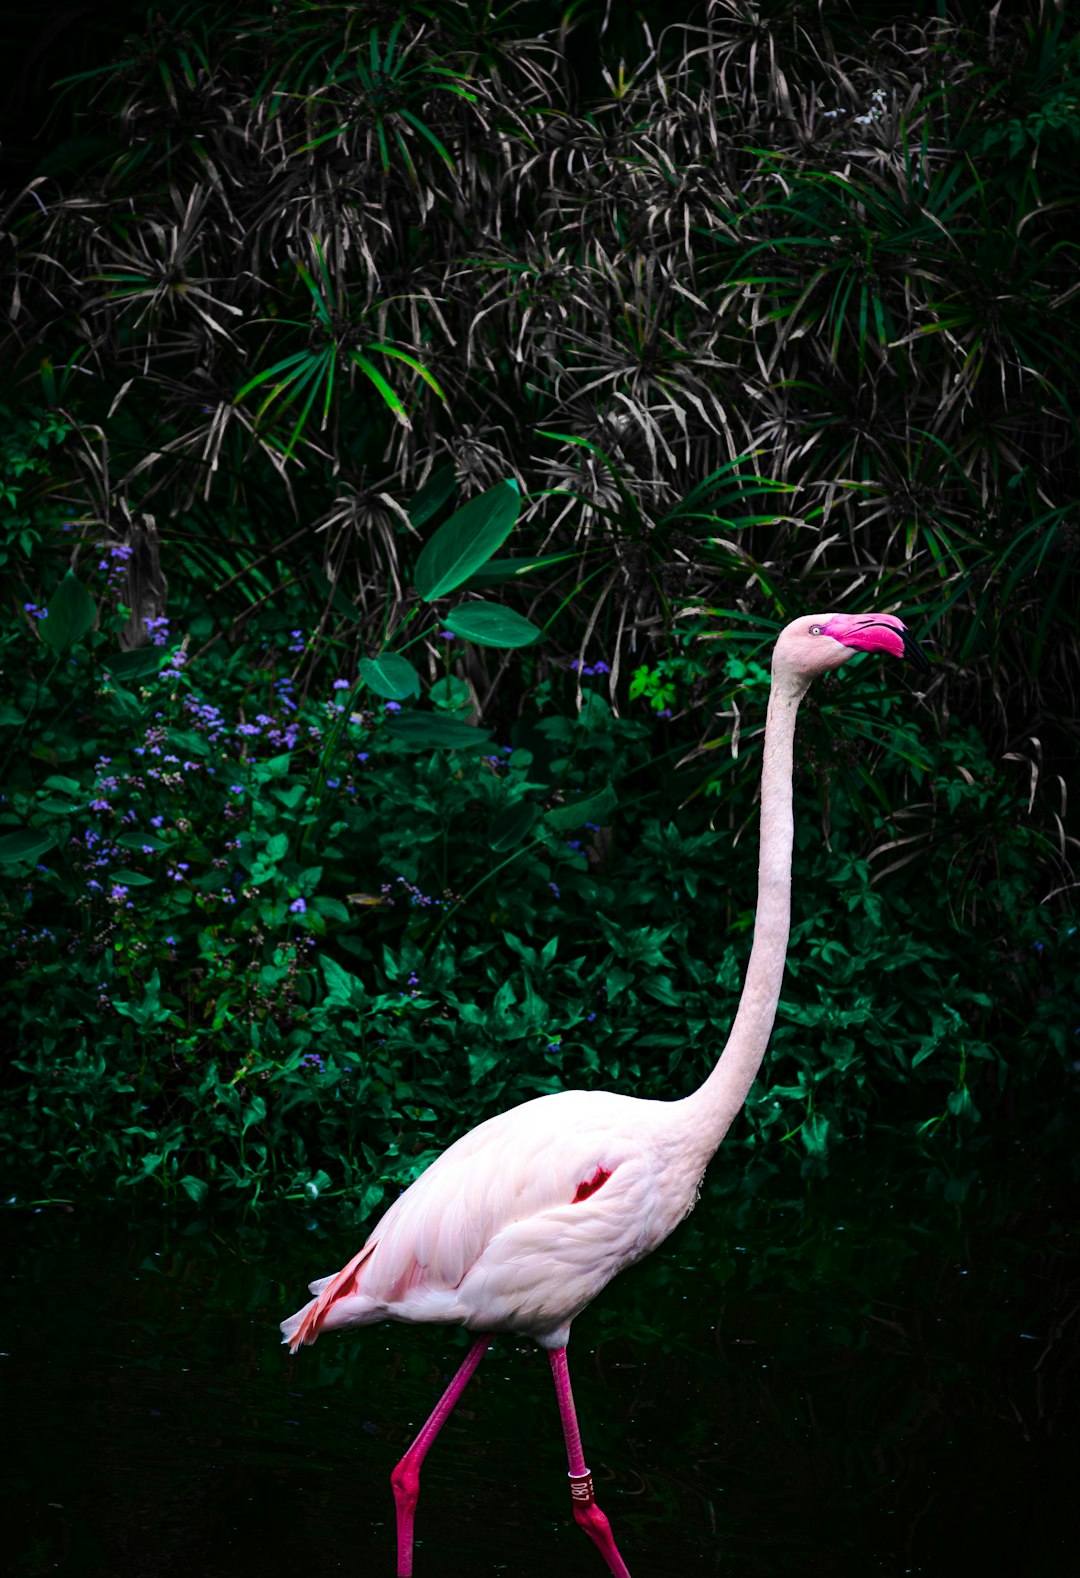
817,630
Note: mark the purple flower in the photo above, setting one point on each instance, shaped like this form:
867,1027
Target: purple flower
236,788
446,635
156,821
392,706
297,907
342,684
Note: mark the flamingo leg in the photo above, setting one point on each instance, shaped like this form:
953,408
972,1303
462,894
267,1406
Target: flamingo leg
587,1514
405,1478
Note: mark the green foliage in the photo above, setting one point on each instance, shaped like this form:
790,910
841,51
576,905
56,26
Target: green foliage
232,973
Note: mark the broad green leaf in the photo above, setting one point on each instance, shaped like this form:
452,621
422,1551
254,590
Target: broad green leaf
138,664
466,541
564,818
451,694
27,844
390,675
428,731
432,496
130,879
815,1134
190,743
491,625
197,1188
512,825
141,841
342,986
70,615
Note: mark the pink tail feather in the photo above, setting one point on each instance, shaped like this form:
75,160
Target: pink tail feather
306,1324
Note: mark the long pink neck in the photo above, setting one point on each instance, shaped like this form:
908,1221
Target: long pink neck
709,1112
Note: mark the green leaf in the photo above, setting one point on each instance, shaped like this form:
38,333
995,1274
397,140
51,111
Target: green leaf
564,818
141,841
26,844
815,1134
341,985
191,744
512,825
451,694
130,879
428,731
68,786
197,1188
466,541
491,625
139,664
71,613
498,570
390,675
429,500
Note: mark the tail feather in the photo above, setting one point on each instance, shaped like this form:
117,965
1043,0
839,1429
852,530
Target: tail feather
306,1324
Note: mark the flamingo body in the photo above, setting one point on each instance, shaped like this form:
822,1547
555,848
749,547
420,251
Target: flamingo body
520,1223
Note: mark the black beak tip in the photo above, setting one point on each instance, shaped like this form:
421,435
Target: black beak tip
915,654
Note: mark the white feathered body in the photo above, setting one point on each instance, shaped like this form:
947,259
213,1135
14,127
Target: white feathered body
491,1236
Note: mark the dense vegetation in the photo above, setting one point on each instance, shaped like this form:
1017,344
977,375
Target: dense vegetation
326,829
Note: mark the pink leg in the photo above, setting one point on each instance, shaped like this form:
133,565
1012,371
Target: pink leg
586,1513
406,1476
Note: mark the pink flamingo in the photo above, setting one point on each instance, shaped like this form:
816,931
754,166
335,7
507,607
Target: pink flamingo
519,1225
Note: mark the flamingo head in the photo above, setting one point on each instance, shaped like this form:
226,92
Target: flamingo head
817,643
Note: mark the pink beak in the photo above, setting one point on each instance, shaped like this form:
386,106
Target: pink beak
876,633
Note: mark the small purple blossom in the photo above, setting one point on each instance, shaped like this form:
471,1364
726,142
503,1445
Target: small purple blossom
392,706
342,684
297,907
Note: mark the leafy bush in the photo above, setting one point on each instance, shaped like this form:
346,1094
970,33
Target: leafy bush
241,965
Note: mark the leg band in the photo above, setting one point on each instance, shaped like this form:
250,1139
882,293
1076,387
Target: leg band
581,1489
